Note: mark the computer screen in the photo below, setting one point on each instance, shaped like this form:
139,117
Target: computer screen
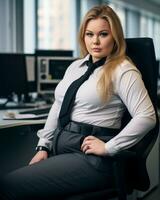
50,71
13,76
57,68
54,52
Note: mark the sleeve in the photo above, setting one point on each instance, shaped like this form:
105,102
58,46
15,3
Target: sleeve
134,95
47,133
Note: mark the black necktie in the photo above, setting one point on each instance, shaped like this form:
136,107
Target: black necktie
68,101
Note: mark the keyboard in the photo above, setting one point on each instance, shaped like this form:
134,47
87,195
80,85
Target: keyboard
30,114
36,111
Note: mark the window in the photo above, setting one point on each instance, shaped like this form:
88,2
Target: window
157,38
120,11
29,26
150,27
144,26
56,24
138,22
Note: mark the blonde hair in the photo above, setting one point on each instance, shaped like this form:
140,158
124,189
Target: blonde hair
117,55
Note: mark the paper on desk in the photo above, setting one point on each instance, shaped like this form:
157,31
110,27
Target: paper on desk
15,115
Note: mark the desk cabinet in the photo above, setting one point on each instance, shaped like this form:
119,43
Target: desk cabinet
17,147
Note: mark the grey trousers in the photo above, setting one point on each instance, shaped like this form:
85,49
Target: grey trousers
68,171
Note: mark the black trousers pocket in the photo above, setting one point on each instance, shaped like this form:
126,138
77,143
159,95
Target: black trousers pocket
68,142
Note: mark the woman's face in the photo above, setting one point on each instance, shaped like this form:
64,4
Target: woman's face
98,38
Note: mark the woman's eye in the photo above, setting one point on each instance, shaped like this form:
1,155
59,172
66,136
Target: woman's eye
103,34
89,34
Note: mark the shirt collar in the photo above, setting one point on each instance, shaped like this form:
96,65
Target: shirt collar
84,60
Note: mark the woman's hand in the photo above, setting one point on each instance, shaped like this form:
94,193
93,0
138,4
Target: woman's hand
93,145
40,155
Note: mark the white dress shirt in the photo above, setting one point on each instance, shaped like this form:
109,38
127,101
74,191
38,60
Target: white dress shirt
128,91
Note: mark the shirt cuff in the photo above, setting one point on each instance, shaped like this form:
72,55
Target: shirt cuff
111,148
45,143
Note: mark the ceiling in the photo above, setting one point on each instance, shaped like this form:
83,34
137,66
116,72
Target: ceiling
155,2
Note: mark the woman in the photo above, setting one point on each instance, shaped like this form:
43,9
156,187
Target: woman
82,130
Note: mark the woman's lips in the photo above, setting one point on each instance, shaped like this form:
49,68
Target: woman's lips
96,49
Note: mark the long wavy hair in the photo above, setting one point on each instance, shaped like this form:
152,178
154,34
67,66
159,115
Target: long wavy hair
105,86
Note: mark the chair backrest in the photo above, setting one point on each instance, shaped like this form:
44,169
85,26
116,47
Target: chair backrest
141,51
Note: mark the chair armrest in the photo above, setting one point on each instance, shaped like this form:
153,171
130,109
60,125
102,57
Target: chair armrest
120,172
132,166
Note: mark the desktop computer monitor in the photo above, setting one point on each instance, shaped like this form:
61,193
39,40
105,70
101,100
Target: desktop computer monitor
54,52
13,76
50,71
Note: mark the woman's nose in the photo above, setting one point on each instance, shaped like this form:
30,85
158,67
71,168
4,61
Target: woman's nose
96,40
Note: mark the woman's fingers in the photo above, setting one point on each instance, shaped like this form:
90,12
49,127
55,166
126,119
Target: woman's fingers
93,145
41,155
85,145
87,142
90,137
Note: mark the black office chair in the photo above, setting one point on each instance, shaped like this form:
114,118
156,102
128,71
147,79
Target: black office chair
130,165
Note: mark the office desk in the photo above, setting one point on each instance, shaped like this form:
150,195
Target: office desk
13,123
18,140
